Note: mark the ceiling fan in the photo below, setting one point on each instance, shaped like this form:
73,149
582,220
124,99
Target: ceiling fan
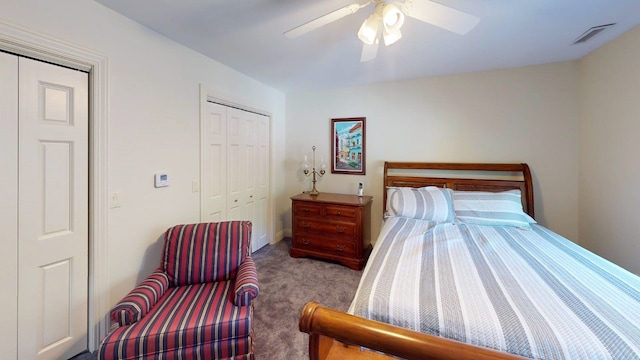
390,14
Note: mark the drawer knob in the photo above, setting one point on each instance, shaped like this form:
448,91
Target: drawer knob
306,209
306,241
339,212
306,224
340,229
340,247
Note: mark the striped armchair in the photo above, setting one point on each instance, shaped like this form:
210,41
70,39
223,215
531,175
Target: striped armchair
197,304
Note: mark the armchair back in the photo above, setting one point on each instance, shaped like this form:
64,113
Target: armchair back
205,252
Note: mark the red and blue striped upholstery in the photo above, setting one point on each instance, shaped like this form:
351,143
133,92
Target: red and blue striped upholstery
141,299
195,319
191,256
197,305
246,288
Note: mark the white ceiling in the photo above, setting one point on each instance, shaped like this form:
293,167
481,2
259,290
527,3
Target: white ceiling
247,35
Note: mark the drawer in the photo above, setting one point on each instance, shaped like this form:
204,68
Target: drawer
311,242
306,209
340,212
326,228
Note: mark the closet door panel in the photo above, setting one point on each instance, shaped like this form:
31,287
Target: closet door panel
214,164
249,197
9,207
261,230
236,169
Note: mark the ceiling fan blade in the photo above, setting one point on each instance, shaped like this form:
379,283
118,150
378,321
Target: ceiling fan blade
369,52
323,20
443,16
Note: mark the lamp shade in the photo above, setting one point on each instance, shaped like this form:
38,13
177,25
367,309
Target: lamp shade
392,18
369,29
391,37
305,165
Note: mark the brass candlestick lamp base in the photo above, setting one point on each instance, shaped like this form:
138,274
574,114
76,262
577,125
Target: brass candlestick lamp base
313,172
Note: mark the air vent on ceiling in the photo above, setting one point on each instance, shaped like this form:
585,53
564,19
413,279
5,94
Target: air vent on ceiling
589,34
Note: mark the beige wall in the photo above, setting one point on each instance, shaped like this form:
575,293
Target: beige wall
609,148
528,114
153,121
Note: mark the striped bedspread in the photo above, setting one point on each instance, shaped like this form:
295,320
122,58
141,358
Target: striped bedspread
527,292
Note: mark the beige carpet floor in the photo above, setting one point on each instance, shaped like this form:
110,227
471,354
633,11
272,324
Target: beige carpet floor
286,285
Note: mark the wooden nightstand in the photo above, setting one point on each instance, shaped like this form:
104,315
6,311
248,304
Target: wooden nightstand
333,227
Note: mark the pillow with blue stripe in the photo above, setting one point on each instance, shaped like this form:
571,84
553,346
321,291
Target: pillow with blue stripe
426,203
491,208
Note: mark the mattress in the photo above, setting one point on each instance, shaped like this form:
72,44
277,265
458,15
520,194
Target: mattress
527,292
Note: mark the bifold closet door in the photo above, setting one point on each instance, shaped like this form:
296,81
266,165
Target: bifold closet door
235,168
53,217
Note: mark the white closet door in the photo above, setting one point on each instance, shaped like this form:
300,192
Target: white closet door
214,164
241,154
235,168
52,211
249,196
261,228
9,205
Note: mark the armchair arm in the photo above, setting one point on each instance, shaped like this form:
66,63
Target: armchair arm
246,286
141,299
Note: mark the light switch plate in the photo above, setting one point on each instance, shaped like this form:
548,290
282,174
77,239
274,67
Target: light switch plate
115,200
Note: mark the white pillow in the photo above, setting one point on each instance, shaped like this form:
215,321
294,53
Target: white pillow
491,208
427,203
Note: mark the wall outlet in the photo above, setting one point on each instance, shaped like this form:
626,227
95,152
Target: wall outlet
195,185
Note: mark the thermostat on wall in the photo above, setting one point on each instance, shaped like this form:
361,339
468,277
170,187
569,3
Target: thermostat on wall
161,180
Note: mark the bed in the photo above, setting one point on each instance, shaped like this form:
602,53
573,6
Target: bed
486,282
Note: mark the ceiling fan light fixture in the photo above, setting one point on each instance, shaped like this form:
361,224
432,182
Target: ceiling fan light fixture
392,18
390,15
369,29
390,37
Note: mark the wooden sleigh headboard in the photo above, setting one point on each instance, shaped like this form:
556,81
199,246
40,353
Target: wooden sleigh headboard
461,176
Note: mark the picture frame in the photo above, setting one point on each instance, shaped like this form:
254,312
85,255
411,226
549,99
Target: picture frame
348,146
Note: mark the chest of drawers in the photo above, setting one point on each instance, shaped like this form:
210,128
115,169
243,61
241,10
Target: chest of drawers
334,227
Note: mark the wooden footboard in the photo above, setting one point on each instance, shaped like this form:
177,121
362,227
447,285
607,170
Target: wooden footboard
338,335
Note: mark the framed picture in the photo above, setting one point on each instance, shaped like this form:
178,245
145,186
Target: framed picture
348,140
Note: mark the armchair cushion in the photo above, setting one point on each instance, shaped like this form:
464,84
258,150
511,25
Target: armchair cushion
141,299
192,257
246,285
